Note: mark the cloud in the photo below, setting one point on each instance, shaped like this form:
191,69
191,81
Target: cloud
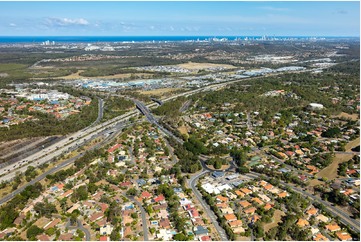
274,9
66,22
12,25
341,12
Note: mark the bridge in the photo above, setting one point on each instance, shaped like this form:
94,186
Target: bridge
145,111
160,102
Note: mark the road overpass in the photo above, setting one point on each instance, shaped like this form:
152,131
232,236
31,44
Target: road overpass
145,111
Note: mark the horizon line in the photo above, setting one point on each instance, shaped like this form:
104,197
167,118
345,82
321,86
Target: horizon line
210,35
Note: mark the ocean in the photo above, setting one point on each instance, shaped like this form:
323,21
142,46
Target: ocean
92,39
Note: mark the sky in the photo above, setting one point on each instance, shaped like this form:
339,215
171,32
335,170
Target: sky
180,18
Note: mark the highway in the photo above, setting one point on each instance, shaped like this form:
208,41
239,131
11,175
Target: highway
62,165
185,106
192,182
100,112
73,141
151,119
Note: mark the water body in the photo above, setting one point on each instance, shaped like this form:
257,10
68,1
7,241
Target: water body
94,39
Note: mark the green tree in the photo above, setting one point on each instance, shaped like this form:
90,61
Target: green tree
33,231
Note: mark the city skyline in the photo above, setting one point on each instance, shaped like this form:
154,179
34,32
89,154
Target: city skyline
180,18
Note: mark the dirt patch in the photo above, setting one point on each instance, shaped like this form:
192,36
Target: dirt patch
347,116
75,75
198,66
275,219
183,130
331,171
222,168
5,191
315,182
159,92
243,238
352,144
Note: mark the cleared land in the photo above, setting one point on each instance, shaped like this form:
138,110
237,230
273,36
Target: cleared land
198,66
352,144
331,171
75,75
275,219
243,238
315,182
223,167
159,92
183,130
348,116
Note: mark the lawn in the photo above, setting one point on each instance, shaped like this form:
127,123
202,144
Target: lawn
159,92
352,144
183,130
330,172
275,219
348,116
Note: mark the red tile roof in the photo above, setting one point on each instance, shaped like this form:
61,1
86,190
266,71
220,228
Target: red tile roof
159,198
113,148
145,194
103,238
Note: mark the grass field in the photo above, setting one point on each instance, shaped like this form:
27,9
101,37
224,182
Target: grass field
348,116
275,219
243,238
75,75
11,67
315,182
198,66
13,70
159,92
331,171
352,144
183,130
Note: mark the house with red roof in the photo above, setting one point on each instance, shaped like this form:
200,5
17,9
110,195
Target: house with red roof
290,153
145,195
188,207
43,237
52,224
159,199
96,216
126,184
193,213
104,238
113,148
164,223
103,206
205,238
